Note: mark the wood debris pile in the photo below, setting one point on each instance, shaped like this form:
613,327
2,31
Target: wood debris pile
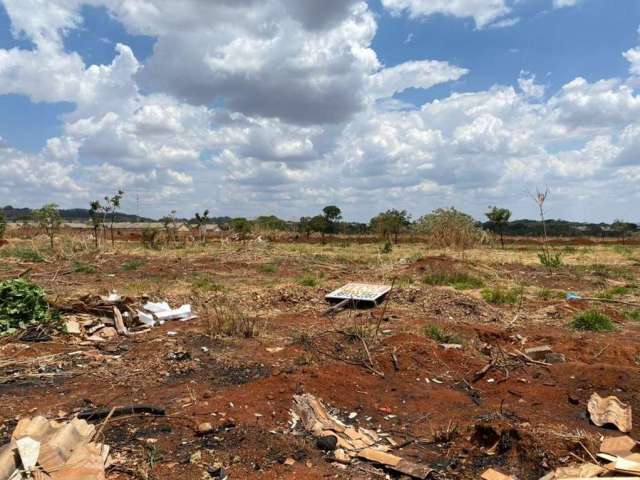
100,318
47,450
348,443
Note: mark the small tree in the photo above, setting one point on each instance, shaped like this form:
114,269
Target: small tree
170,226
305,226
96,213
319,223
621,227
548,258
332,215
113,206
450,228
49,220
201,222
499,218
241,227
3,225
391,222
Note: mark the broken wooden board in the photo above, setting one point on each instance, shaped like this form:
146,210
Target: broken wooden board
359,292
361,442
492,474
395,463
620,446
610,410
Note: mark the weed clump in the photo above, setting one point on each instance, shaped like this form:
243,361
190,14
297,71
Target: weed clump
441,336
502,296
226,319
633,314
132,265
83,267
23,305
26,254
309,280
592,320
458,280
207,284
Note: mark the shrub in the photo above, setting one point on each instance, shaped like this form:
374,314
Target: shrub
593,321
550,259
150,238
502,296
450,228
22,305
441,336
387,247
26,254
458,280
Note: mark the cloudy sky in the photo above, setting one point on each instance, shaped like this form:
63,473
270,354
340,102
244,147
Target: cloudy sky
250,107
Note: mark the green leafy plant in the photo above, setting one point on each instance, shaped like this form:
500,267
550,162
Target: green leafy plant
441,336
458,280
592,320
550,259
387,247
24,304
501,295
499,218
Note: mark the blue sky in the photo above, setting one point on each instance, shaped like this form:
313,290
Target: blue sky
280,107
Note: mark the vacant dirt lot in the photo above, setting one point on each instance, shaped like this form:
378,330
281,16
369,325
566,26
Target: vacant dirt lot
521,417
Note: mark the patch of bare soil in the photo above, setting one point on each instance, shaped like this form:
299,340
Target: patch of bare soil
458,409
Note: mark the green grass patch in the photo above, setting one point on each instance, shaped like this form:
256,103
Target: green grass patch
593,321
83,267
502,296
132,265
458,280
614,292
309,280
549,293
440,335
268,268
633,314
207,284
26,254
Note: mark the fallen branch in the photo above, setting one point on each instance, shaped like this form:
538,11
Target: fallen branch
104,412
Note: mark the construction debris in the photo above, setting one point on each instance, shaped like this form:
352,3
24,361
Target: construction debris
609,410
48,450
349,443
492,474
100,318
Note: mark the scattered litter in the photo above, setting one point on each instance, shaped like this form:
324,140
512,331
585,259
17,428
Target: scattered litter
43,449
274,349
609,410
361,443
570,296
